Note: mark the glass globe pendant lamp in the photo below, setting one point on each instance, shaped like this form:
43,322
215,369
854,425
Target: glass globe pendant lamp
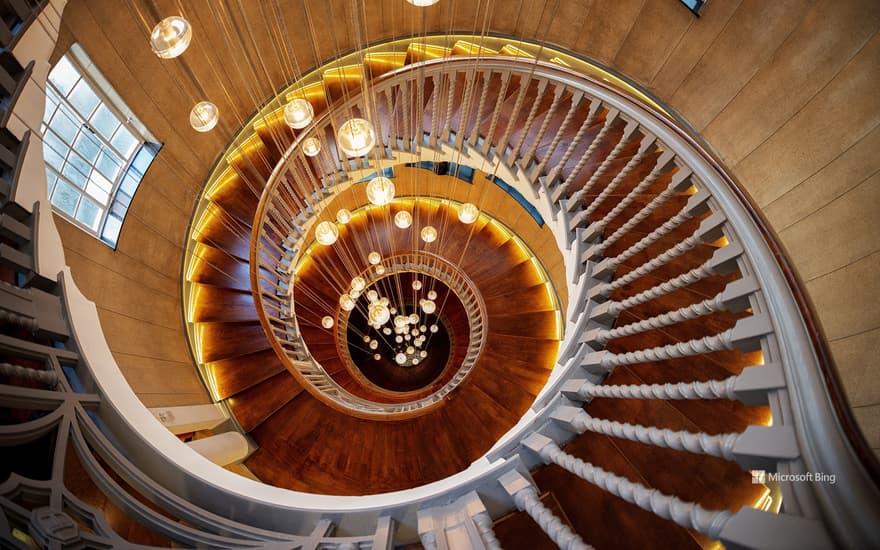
327,322
343,216
403,219
380,191
428,306
374,258
378,314
204,116
171,37
298,113
311,147
429,234
356,137
468,213
346,302
326,233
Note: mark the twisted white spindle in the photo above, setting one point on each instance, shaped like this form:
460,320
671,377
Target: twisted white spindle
685,313
407,113
530,119
496,113
698,346
651,237
630,166
687,514
548,116
646,182
700,443
677,250
527,500
700,272
464,111
487,534
43,376
450,101
435,105
575,141
603,167
475,131
514,114
600,137
554,143
713,389
393,130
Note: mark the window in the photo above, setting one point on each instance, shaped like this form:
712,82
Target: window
694,5
96,152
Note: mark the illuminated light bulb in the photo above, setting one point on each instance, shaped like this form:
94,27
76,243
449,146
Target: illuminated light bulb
354,293
358,284
346,302
432,295
410,350
343,216
386,331
380,191
398,339
423,328
298,113
434,328
400,321
428,306
413,318
327,322
400,358
393,310
204,116
374,258
414,332
429,234
407,337
171,37
423,354
415,361
378,314
374,344
356,137
377,357
468,213
326,233
367,338
385,301
380,270
373,296
417,284
403,219
311,147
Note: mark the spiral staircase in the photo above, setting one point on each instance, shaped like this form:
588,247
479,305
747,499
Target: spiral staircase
653,345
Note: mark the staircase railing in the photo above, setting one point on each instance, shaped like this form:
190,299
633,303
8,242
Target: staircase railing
92,408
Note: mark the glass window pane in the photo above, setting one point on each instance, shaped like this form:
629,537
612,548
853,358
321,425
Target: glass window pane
105,122
77,170
121,199
84,99
51,180
129,184
124,142
89,214
64,124
65,197
52,158
111,230
64,75
95,191
51,103
109,165
87,145
142,160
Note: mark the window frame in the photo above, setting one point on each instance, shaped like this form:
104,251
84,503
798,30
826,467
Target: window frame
131,168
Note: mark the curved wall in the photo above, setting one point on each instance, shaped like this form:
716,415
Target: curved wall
785,92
